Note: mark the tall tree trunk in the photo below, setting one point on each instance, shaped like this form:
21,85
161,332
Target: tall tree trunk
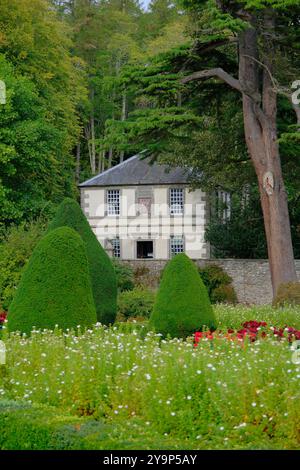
92,135
262,142
101,159
78,156
123,118
110,157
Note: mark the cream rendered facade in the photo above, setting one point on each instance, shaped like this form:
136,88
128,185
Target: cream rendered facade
154,223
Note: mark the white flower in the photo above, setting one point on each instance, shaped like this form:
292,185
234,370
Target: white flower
253,404
148,376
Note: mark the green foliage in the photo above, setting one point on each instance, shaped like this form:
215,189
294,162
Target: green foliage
27,427
124,274
182,304
224,294
55,287
242,234
136,303
103,277
41,427
175,122
15,251
218,284
287,294
39,122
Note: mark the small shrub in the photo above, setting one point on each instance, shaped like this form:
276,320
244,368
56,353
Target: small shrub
141,271
124,274
182,304
102,273
15,251
137,303
218,284
224,294
55,287
144,277
288,294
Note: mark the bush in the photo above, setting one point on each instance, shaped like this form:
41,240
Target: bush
15,251
55,287
40,427
288,294
103,277
218,284
182,304
124,274
224,294
136,303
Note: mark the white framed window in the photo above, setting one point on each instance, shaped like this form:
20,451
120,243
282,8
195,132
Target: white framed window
176,201
113,201
224,205
176,245
116,247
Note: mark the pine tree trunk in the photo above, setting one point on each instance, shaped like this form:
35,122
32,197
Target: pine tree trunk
110,157
123,118
78,156
92,135
262,142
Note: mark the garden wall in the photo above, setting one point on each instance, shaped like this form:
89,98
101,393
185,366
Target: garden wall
251,278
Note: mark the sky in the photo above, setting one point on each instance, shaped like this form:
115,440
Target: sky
145,3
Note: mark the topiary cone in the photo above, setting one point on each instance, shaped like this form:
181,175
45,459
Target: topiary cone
55,288
102,273
182,304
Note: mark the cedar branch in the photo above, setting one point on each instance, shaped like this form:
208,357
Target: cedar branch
217,73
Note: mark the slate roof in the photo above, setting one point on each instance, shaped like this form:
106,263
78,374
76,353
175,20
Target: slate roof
138,170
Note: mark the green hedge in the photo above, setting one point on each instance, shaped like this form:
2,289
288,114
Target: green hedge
182,304
55,287
103,277
40,427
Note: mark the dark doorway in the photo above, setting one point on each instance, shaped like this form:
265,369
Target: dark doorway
145,249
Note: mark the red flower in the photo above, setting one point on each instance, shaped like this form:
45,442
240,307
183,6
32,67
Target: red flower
3,316
251,329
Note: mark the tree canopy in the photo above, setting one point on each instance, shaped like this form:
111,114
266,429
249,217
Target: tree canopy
91,82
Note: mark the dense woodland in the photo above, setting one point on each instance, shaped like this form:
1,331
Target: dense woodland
90,82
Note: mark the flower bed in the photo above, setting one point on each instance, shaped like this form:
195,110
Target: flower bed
149,391
251,330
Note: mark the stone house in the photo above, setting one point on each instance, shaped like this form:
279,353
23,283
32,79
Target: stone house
140,210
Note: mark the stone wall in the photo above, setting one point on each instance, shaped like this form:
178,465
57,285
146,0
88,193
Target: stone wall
251,278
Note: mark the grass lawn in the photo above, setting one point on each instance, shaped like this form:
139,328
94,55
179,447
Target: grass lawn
125,388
